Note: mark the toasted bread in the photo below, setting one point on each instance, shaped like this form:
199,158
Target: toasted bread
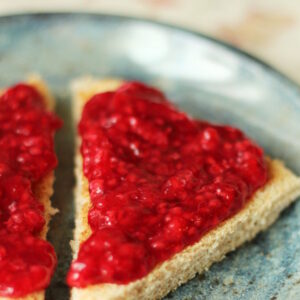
44,190
258,214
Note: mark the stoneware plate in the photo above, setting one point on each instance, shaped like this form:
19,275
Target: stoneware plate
204,77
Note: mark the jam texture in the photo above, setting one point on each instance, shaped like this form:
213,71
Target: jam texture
26,156
158,181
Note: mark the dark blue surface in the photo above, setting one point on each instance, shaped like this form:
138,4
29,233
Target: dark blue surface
207,79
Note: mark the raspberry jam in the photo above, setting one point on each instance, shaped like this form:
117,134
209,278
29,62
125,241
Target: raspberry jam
26,156
158,181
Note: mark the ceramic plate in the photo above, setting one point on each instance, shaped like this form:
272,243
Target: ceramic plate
204,77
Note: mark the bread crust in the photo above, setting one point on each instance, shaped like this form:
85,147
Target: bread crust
44,189
258,214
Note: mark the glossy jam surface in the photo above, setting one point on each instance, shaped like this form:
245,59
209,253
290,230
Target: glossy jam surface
26,157
158,181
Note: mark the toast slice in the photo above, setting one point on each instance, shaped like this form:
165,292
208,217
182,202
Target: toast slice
44,189
258,214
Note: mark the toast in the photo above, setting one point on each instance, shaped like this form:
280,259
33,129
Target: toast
44,189
282,188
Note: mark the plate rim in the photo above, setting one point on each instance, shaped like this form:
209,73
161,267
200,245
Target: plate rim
238,51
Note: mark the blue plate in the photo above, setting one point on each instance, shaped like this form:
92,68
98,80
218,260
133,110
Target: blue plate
204,77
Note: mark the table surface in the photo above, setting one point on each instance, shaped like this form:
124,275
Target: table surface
269,29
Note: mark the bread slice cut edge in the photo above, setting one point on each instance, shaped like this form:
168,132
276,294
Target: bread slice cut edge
44,189
258,214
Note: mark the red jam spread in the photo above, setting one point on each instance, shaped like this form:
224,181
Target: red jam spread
158,181
26,156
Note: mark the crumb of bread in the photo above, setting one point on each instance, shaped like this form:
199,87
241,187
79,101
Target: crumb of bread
259,213
228,280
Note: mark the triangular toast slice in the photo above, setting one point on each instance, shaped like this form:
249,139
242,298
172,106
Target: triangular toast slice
258,214
44,189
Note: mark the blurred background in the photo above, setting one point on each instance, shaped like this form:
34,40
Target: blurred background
269,29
